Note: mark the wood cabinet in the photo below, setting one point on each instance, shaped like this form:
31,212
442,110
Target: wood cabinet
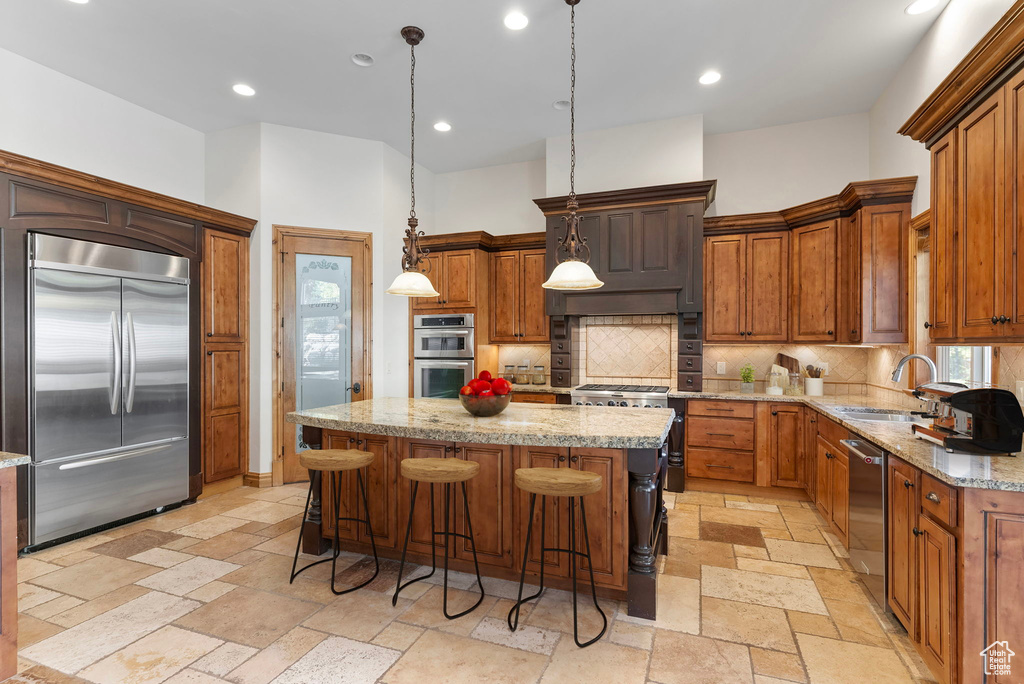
942,290
490,504
456,276
554,516
720,440
420,533
517,298
786,445
936,582
225,420
534,397
747,294
832,478
813,313
901,482
380,480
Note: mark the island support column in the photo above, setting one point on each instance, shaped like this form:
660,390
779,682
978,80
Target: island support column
648,528
313,541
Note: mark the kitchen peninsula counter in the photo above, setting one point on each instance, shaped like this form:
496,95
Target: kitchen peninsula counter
627,520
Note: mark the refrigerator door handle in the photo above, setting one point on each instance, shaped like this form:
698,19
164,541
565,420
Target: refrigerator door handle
116,457
132,363
115,380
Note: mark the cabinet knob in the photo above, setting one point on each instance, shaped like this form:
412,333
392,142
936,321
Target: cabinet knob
933,497
775,413
458,450
908,484
830,332
742,334
209,353
1003,319
574,459
853,332
209,334
995,319
560,346
917,532
927,325
447,449
561,459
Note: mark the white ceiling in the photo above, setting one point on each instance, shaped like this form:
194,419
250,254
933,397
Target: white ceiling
782,61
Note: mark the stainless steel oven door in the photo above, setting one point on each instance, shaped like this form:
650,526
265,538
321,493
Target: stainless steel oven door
440,379
442,343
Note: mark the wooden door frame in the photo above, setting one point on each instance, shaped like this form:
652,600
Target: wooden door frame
280,233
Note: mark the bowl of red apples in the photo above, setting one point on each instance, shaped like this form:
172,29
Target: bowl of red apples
486,395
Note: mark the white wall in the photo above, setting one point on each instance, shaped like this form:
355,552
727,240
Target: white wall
49,116
653,153
495,199
769,169
955,33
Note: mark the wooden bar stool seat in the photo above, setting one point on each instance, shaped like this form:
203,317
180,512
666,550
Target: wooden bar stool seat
447,472
335,460
574,485
331,464
439,470
558,481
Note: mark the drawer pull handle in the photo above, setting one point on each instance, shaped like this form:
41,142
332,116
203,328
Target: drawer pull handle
719,409
933,497
713,465
719,434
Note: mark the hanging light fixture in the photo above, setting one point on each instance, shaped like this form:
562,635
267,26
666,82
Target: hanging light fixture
572,272
411,282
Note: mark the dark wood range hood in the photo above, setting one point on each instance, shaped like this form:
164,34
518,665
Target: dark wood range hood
646,244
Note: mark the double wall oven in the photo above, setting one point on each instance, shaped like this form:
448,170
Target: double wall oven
443,360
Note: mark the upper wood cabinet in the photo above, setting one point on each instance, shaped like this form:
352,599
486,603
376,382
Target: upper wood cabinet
517,298
747,290
942,296
813,316
456,276
226,286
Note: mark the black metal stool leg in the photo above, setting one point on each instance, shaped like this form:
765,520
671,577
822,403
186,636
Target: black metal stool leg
414,488
526,559
302,528
590,567
337,539
469,529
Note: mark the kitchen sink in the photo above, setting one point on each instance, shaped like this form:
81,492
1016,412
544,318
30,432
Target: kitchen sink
881,417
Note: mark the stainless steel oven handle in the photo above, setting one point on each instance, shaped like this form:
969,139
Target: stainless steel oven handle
132,363
115,381
116,457
869,454
442,332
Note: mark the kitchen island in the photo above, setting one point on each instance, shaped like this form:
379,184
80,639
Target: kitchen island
9,562
627,520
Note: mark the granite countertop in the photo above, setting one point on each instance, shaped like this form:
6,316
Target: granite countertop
8,460
1004,473
519,424
546,389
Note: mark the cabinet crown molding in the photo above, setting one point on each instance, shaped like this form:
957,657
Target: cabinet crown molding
697,191
479,239
26,167
853,197
998,50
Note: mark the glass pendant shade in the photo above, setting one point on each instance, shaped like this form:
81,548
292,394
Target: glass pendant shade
412,284
573,275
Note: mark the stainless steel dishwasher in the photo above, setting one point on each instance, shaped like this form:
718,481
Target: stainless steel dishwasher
867,515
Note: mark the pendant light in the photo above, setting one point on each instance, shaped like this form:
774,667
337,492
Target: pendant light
573,273
411,282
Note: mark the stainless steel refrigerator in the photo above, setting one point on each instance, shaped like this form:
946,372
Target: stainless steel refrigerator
109,384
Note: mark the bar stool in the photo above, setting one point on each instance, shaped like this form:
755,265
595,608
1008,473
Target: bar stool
573,484
334,462
446,471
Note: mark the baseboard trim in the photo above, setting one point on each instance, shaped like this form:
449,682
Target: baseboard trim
258,479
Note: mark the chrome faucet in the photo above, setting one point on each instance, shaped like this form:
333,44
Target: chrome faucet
897,374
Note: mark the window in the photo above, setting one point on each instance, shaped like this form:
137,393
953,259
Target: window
971,366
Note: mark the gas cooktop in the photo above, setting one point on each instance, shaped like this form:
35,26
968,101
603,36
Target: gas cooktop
650,389
633,396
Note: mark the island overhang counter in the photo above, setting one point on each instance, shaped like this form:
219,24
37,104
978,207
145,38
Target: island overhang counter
626,520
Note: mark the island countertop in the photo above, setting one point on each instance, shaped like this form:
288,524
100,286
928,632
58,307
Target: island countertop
518,425
8,460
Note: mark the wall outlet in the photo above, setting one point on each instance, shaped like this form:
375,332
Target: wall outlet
721,369
824,368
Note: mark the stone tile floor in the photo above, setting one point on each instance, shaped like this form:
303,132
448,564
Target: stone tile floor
754,591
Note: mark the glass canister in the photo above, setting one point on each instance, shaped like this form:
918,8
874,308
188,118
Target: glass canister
523,373
773,384
509,373
539,376
795,387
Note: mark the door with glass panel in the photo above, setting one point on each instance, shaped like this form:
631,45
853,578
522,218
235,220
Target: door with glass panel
324,309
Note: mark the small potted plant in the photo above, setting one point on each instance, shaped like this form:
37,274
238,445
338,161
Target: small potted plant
747,378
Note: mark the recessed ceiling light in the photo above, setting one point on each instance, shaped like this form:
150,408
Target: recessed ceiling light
442,126
362,59
921,6
560,104
80,2
709,77
516,21
243,89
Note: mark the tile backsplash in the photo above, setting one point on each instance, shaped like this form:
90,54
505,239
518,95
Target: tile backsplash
627,349
846,375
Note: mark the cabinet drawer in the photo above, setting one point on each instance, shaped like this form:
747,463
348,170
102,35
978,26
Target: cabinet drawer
689,364
720,464
938,500
719,433
832,431
534,398
561,361
720,409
